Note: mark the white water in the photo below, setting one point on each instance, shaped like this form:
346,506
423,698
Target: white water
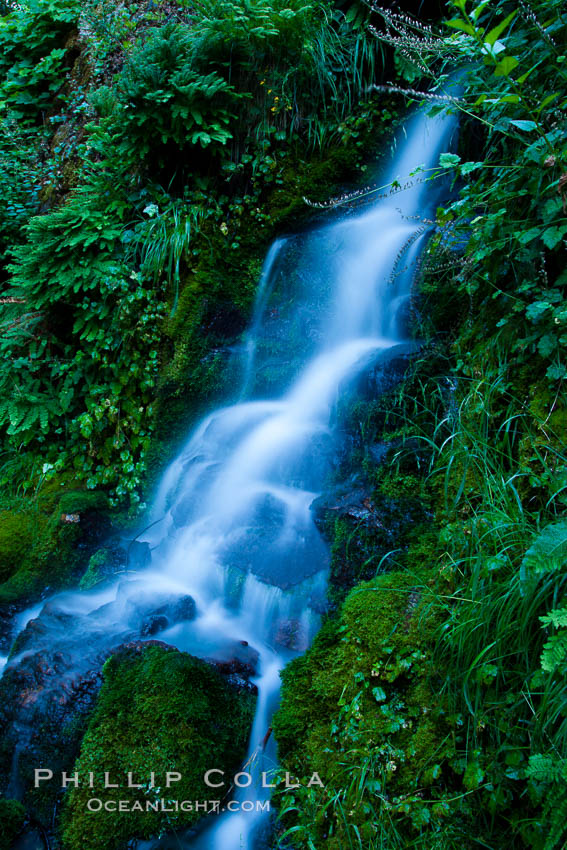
231,521
257,452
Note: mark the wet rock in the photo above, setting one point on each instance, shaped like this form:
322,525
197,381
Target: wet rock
291,634
276,553
115,557
52,623
7,614
104,564
140,646
169,611
32,839
355,505
237,658
44,703
240,683
138,554
154,624
379,451
385,371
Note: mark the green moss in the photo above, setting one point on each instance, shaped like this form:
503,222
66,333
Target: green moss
158,710
82,501
361,708
12,815
38,548
17,535
98,570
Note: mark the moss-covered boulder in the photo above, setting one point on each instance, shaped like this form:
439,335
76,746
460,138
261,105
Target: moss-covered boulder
44,541
16,540
12,815
104,564
363,710
159,710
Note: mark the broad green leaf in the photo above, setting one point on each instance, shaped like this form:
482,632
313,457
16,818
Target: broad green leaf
536,310
506,66
474,775
379,694
547,100
553,236
557,372
528,235
496,31
463,26
547,345
467,167
449,160
478,10
523,125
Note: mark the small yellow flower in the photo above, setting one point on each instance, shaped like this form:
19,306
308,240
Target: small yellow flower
262,82
269,91
276,98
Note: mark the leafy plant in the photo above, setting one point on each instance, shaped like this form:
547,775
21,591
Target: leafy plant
32,54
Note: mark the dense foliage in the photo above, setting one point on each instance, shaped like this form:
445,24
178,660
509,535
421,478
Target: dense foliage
149,153
209,102
492,422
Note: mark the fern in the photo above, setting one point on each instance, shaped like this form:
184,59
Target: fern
556,618
554,653
543,768
551,772
548,552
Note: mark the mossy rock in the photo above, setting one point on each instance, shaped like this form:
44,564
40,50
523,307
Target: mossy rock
83,501
12,815
158,710
360,709
39,541
104,564
17,536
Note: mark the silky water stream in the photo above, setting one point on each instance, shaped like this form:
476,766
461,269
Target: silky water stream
231,524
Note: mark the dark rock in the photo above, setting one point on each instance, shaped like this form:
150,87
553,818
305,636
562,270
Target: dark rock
169,611
103,565
239,658
138,554
291,634
154,624
241,684
114,557
7,614
355,505
385,371
52,623
32,839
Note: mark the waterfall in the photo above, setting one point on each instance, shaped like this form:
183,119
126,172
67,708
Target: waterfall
249,473
231,520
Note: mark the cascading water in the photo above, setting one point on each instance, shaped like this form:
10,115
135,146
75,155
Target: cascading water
231,522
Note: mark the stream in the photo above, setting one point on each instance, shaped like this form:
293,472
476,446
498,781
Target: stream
231,524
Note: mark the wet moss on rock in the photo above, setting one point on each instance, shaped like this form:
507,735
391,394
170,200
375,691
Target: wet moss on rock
158,710
362,709
44,541
12,816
